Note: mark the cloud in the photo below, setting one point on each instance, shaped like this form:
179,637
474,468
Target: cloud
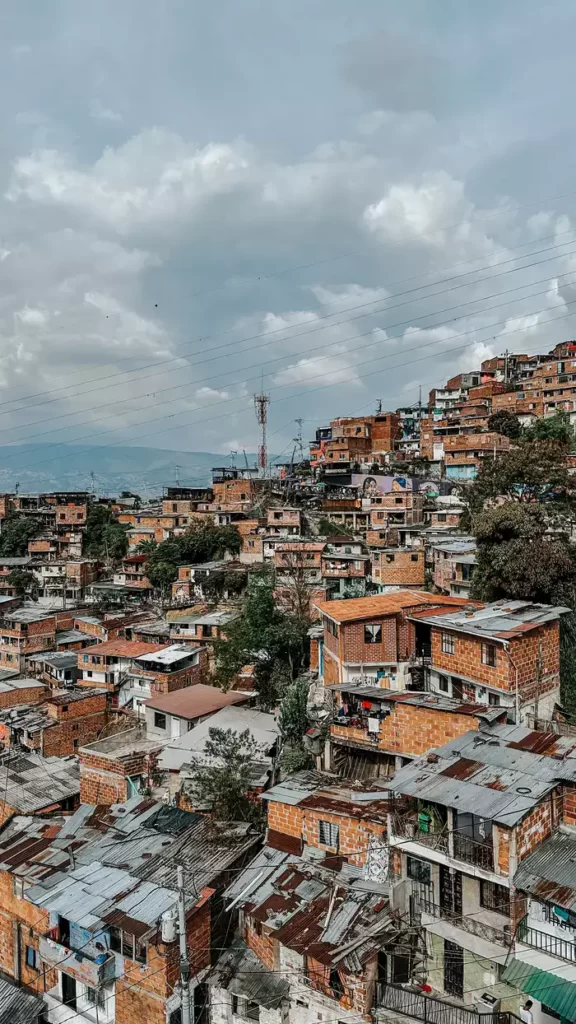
101,113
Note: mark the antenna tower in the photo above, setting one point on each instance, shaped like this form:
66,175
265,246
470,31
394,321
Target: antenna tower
261,403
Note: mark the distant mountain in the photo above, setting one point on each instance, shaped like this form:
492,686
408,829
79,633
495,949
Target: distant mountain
68,467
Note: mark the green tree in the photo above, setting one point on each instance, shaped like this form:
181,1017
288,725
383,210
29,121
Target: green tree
293,723
329,529
17,531
105,537
264,635
24,582
225,782
146,547
533,471
506,423
161,575
552,428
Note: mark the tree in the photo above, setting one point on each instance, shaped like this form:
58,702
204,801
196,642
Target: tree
224,783
161,575
293,723
146,547
534,471
17,531
264,635
329,529
552,428
506,423
105,537
24,582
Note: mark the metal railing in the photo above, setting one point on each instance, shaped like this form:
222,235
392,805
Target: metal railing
500,936
407,828
471,852
563,948
416,1004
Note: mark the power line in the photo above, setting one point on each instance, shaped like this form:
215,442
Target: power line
271,333
378,341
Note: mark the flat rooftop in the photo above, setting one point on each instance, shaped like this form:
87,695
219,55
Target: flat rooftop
501,620
122,744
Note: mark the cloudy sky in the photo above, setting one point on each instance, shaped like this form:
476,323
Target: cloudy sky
346,201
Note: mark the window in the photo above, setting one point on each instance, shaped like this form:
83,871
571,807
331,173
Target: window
336,984
242,1007
159,720
397,501
419,870
447,643
413,558
372,634
441,517
18,888
32,958
390,558
489,655
494,699
328,834
495,897
443,684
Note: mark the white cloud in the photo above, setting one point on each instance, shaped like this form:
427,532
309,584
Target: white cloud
101,113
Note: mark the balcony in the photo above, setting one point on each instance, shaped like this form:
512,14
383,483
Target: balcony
78,965
354,735
409,827
499,936
481,855
547,943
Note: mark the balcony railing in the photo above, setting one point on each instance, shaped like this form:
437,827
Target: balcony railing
78,965
471,852
500,936
415,1004
407,827
546,943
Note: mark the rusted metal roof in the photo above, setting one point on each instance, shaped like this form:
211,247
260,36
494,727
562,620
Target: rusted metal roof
280,841
537,742
462,769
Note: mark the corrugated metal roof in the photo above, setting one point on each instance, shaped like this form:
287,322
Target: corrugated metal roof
18,1006
546,987
501,620
241,972
550,870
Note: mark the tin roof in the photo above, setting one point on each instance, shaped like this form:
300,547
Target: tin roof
30,782
337,917
17,1006
241,972
501,620
170,655
324,791
262,727
487,774
358,608
549,872
431,701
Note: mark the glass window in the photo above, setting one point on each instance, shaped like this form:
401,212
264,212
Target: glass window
443,684
32,959
372,634
419,870
489,655
159,720
494,699
447,643
495,897
328,834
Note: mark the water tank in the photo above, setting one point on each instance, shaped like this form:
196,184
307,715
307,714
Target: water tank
169,926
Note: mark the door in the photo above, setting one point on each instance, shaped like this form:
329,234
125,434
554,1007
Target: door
174,728
453,969
68,991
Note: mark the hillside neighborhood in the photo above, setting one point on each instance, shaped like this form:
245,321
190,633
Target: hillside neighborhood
300,745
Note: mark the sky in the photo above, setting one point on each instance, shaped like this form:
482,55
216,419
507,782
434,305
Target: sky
337,203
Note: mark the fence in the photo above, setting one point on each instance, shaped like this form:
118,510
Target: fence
435,1011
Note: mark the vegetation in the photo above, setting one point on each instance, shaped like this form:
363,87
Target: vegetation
506,423
264,635
224,784
552,428
293,723
24,583
202,542
105,537
329,529
17,531
532,471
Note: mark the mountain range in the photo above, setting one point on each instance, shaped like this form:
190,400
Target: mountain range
116,468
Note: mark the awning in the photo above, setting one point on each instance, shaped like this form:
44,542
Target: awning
545,987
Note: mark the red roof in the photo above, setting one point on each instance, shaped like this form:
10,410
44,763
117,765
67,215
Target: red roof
357,608
194,701
123,648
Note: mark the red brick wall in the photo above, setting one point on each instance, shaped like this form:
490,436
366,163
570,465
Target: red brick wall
71,514
407,568
355,650
413,730
301,822
233,492
25,695
534,828
263,945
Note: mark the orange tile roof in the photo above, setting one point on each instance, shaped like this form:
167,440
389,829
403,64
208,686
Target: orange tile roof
123,648
357,608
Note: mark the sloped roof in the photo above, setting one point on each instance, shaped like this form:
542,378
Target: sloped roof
356,609
194,701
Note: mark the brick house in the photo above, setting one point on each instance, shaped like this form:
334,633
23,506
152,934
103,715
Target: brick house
371,638
58,725
21,691
394,568
375,731
71,515
448,559
507,653
132,573
23,632
106,665
323,862
462,820
284,520
464,453
114,769
117,965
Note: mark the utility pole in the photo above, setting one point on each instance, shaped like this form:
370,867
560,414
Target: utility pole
184,964
538,679
261,403
177,468
506,366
